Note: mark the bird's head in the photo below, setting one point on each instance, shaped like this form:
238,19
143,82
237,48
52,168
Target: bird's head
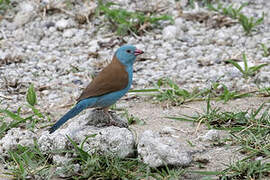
127,54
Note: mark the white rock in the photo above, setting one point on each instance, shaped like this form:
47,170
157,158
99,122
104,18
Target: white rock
168,130
119,141
141,81
51,30
221,35
63,24
184,3
107,140
211,135
19,34
14,137
161,56
264,76
158,151
263,59
251,43
62,170
27,11
169,32
69,33
194,52
179,23
61,160
140,46
192,31
235,37
3,54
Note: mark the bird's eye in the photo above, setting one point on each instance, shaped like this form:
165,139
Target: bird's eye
128,51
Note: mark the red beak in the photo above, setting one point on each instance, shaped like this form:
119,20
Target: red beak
138,52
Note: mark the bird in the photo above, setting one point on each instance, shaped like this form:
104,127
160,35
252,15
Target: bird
107,87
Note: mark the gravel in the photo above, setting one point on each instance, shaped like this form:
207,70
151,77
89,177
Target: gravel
56,50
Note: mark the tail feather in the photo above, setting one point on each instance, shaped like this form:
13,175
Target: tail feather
70,114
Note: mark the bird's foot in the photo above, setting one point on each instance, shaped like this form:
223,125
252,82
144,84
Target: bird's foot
105,117
113,122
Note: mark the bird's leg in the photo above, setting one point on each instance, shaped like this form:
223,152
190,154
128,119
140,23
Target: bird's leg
112,121
106,111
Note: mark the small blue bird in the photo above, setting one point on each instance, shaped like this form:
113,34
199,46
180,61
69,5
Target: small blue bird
111,84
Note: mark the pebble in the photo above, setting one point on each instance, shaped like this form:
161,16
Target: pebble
27,11
211,135
62,24
185,50
169,32
180,24
69,33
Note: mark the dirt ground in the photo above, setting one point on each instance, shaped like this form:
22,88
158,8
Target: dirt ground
154,115
206,156
217,157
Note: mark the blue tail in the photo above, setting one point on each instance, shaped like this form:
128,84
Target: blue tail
70,114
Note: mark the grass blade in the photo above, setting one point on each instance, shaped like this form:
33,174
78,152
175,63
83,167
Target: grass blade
31,95
235,64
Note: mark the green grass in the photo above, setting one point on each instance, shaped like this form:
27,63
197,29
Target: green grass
4,5
126,22
265,91
17,119
229,10
100,166
250,130
27,162
170,92
95,166
224,94
246,71
251,169
248,24
167,90
132,119
266,50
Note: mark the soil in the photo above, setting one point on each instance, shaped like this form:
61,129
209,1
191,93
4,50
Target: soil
208,156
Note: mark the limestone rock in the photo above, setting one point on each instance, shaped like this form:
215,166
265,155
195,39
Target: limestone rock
102,139
169,32
15,137
211,135
157,151
27,11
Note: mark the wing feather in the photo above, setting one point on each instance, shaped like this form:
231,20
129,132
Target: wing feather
112,78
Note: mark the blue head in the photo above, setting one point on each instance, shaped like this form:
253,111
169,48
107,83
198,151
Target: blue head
127,54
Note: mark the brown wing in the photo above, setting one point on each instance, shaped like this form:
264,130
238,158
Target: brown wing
112,78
